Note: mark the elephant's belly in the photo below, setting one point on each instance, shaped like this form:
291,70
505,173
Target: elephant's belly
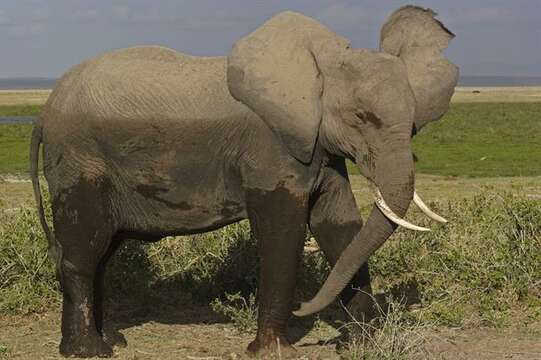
181,206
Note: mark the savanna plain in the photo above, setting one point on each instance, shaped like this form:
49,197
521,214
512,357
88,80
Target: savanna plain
468,290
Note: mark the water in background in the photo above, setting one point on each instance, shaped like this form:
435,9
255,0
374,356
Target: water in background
17,119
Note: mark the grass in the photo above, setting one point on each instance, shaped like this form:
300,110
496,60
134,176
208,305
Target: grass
23,97
482,140
482,269
392,335
240,310
14,148
19,110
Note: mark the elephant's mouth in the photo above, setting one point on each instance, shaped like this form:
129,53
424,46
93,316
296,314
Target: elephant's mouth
380,202
386,210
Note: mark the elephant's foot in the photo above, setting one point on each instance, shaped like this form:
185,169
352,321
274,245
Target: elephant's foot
85,347
114,338
271,346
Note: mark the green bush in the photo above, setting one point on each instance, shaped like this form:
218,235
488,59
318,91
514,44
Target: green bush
241,311
480,267
27,279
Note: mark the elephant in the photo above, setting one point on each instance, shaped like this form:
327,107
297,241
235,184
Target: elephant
146,142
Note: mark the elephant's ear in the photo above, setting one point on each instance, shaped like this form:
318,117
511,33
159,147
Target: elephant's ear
275,72
413,26
414,35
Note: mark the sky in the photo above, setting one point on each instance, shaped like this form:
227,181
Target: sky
46,37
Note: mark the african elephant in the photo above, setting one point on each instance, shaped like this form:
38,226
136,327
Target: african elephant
146,142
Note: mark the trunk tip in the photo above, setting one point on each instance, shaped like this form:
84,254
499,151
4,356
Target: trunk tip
307,308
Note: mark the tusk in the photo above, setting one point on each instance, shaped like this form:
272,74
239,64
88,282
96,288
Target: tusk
420,203
386,210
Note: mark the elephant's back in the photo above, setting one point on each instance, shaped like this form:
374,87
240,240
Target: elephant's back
142,83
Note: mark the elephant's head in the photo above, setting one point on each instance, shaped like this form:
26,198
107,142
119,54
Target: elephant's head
309,86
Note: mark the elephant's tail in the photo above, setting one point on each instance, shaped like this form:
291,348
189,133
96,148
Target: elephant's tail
35,142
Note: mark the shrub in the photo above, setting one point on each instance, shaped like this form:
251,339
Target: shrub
241,311
391,335
480,267
483,267
27,279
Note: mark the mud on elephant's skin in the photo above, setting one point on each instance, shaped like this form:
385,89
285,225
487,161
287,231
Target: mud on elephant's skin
147,142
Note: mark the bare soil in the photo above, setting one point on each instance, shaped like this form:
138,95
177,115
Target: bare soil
486,344
189,332
193,332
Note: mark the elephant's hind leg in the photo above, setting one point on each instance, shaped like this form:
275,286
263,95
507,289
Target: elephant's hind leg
110,336
278,221
84,229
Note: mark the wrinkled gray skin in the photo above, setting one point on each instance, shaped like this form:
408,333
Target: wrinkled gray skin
146,142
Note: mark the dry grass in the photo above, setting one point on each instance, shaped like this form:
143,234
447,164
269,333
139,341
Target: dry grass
469,94
392,335
23,97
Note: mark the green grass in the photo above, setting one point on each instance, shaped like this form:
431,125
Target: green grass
14,148
481,269
482,140
473,140
19,110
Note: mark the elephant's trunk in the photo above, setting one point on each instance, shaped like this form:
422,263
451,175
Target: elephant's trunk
394,177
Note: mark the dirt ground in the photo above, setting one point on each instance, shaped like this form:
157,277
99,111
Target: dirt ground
196,333
188,332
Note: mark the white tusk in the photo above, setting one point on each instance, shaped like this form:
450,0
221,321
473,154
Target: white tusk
386,210
420,203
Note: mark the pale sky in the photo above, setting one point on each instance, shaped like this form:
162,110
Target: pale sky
46,37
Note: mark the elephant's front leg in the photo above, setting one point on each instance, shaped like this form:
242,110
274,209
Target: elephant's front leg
334,222
278,221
